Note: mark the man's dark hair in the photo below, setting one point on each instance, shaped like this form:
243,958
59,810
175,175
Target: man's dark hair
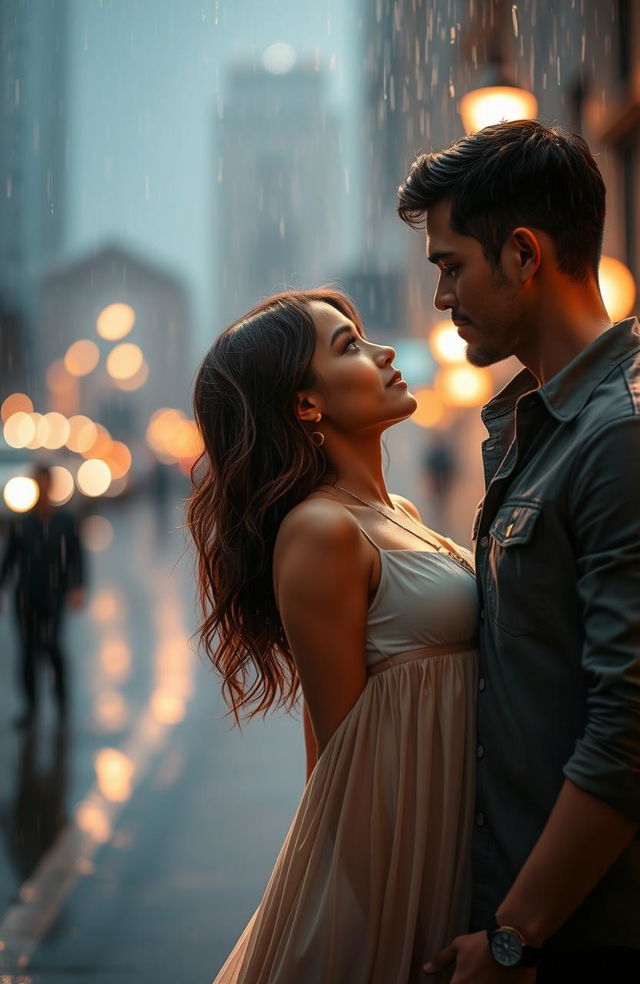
520,173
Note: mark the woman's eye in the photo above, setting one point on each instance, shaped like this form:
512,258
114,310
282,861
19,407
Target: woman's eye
352,341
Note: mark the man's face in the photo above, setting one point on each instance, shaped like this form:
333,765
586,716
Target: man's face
486,304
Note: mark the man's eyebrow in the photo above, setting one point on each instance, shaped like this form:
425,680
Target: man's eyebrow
343,329
443,254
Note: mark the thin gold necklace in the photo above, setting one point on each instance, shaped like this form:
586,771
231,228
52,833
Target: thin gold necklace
453,554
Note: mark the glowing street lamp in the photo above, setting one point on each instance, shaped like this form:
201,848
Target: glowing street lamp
617,287
498,98
446,344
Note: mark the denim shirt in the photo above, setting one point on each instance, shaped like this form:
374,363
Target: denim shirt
557,548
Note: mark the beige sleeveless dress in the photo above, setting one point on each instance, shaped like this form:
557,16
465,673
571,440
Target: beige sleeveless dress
374,875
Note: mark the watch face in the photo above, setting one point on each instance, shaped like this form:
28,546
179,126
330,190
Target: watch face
506,948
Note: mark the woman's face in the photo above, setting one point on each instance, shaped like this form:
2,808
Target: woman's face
357,387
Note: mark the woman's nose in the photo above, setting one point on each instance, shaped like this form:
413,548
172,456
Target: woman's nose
386,355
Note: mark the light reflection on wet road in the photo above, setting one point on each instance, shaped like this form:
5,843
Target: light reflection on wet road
136,844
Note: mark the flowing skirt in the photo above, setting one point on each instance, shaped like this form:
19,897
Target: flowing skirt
374,875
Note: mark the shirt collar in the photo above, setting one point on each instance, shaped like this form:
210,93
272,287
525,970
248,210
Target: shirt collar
566,393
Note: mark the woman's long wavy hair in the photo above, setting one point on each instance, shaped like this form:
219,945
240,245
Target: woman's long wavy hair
259,461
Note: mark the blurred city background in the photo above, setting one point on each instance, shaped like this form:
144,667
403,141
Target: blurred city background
163,166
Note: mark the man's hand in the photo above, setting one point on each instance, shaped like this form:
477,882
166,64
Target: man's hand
475,965
76,598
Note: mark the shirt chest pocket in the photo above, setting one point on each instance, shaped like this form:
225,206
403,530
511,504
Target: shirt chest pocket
517,597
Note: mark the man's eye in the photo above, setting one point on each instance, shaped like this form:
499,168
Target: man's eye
352,341
450,271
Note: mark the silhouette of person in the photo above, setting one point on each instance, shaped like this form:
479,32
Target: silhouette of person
45,552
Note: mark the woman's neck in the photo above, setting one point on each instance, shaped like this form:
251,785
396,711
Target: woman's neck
357,466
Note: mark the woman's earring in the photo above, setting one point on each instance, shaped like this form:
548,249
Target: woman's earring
316,436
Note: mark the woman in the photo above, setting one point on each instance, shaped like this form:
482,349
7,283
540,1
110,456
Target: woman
312,575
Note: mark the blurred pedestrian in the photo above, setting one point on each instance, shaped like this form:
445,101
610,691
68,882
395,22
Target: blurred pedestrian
45,553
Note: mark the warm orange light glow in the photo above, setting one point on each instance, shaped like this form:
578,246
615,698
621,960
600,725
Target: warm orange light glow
94,477
118,458
430,410
58,430
172,436
445,343
115,659
115,321
617,287
21,493
13,403
492,104
59,380
114,772
102,444
134,382
124,360
82,357
463,386
117,487
19,429
167,706
83,433
41,432
104,606
97,533
91,817
62,485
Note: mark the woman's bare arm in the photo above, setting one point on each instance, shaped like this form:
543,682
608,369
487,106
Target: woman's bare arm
321,579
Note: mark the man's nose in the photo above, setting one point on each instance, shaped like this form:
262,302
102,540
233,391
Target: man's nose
444,297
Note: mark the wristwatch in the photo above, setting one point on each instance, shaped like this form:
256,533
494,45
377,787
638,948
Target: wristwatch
509,948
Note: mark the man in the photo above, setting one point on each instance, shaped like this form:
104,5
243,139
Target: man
514,218
44,549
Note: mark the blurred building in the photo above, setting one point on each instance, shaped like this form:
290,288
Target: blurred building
33,147
113,341
279,181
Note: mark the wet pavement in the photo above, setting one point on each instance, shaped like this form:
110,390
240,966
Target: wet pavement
135,842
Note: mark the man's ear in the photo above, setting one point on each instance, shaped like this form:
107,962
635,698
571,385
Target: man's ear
527,250
307,407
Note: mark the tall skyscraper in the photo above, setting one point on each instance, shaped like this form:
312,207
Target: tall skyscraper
279,208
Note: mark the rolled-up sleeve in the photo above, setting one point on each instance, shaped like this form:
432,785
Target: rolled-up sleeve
605,521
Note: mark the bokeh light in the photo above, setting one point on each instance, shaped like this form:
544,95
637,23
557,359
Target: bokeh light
14,403
101,446
173,437
59,379
41,431
279,58
124,361
21,493
62,485
430,409
463,386
58,430
19,429
114,772
617,287
94,477
134,382
446,344
82,357
115,321
83,433
118,459
97,533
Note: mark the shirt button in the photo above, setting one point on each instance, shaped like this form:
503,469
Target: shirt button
480,751
484,542
480,819
482,614
482,683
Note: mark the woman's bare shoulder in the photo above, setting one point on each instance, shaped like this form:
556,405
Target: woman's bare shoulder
317,520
